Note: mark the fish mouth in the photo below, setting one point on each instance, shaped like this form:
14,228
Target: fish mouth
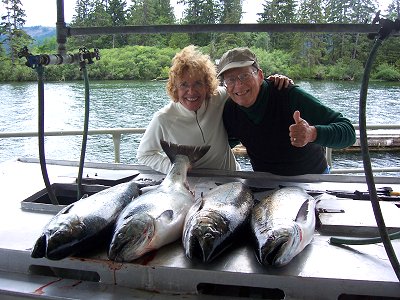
202,248
195,250
130,241
39,249
272,251
117,250
205,237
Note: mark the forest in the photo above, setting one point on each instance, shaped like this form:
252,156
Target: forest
322,56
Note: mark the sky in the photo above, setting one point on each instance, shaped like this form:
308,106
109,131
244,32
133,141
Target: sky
44,12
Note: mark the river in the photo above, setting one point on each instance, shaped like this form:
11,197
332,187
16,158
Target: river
115,104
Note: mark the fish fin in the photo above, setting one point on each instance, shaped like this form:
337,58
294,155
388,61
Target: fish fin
196,206
66,209
166,214
302,213
194,153
318,222
146,182
39,250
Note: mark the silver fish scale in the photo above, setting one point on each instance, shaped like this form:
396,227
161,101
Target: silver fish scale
220,199
281,226
214,219
166,207
80,221
283,204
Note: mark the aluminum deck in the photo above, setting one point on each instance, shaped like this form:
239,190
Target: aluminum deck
321,271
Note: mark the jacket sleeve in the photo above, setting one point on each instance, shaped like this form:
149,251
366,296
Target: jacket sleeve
333,129
149,152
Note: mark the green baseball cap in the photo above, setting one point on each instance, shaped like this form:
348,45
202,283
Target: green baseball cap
236,58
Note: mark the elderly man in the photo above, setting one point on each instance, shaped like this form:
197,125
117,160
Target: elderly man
284,131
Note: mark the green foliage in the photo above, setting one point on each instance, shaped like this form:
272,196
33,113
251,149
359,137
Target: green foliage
273,62
16,71
49,45
333,56
179,40
389,51
387,72
261,40
345,70
132,62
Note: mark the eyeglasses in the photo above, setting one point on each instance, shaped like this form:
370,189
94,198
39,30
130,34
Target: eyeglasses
243,77
185,86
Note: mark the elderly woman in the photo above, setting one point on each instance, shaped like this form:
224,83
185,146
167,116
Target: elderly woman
193,117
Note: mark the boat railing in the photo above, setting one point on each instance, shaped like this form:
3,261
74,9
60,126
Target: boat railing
116,134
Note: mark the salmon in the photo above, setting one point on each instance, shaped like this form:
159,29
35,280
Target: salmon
283,224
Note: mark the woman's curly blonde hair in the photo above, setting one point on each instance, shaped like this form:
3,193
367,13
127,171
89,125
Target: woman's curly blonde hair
192,60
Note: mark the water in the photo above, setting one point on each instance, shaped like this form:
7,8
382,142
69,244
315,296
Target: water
125,104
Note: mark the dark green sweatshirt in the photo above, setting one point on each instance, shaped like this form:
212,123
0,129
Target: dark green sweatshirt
263,129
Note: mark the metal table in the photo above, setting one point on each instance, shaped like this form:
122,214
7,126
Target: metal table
321,271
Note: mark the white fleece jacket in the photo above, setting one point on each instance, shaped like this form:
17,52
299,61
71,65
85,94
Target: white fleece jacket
174,123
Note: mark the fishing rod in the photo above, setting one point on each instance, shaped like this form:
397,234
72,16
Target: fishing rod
37,62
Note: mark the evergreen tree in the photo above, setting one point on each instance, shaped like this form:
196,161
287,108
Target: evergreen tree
202,12
83,10
231,14
165,12
363,11
117,10
231,11
279,12
150,12
337,43
393,11
389,51
90,13
11,27
312,46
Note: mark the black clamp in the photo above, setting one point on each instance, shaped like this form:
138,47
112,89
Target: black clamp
387,27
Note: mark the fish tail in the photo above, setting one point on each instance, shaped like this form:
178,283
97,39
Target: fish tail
194,153
39,250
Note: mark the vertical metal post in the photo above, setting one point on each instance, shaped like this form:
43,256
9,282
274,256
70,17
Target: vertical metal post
328,155
117,147
61,28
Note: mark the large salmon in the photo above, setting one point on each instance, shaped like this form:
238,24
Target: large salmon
215,219
156,218
80,224
283,224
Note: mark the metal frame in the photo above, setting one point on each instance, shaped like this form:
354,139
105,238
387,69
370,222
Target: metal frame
64,31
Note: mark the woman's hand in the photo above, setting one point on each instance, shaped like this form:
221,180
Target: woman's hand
280,81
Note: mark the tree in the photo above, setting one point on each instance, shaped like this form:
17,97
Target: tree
279,11
311,46
83,10
202,12
394,10
117,11
11,26
91,13
150,12
231,11
337,12
231,14
363,11
389,51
